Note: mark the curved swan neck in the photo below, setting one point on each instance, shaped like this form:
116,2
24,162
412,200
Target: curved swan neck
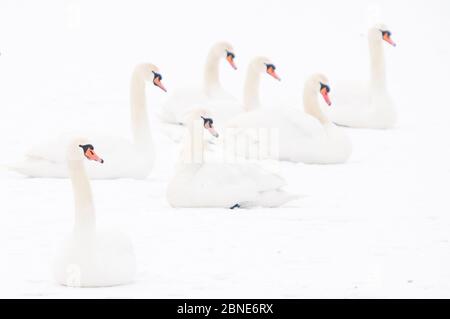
251,89
377,61
139,117
84,206
193,144
211,73
311,103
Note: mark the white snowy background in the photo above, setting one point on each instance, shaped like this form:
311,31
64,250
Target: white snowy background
378,226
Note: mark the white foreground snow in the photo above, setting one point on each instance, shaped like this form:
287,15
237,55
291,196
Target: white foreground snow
378,226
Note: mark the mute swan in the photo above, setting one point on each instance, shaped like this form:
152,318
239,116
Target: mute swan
302,136
257,66
198,183
223,111
367,106
90,258
125,159
181,101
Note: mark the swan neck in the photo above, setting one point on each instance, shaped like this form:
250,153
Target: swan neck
251,90
311,104
139,117
377,64
193,144
211,75
84,205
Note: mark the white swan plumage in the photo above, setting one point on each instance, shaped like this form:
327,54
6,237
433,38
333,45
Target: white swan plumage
367,105
126,159
89,257
306,136
211,95
198,183
225,110
257,66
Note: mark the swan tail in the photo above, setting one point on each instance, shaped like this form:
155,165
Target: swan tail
14,167
36,168
22,169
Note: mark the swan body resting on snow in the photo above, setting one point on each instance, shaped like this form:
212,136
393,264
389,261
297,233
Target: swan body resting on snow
130,160
90,258
367,106
198,183
298,136
181,101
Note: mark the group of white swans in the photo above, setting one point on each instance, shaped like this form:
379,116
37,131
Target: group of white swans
91,258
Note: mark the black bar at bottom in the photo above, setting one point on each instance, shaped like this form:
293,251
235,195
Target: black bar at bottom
227,308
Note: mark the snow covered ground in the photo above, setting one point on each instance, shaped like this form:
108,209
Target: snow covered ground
378,226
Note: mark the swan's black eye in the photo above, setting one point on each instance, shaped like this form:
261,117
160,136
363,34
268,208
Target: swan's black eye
386,32
230,55
156,76
271,66
324,86
207,122
86,147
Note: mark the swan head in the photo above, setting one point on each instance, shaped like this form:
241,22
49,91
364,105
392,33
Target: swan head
208,124
150,73
319,83
264,65
225,50
80,148
200,114
381,32
88,151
